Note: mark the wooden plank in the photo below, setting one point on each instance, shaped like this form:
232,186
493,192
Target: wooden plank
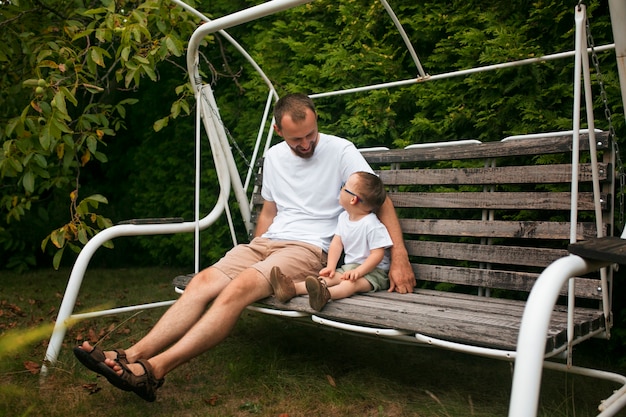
584,318
610,248
478,321
496,228
558,144
498,278
495,200
494,254
480,200
535,174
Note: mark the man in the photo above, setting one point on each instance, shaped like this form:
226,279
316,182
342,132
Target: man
293,232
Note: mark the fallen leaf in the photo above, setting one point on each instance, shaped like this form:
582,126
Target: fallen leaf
212,401
93,338
331,381
32,367
91,388
283,415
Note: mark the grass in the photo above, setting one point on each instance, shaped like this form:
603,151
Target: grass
267,367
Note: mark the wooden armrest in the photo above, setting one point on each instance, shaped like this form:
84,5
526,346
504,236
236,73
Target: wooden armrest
610,248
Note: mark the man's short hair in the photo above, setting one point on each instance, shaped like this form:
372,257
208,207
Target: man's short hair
294,105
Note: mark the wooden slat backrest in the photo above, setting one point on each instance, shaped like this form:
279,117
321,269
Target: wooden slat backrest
491,215
495,214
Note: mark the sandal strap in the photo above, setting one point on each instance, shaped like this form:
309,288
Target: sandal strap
144,385
121,356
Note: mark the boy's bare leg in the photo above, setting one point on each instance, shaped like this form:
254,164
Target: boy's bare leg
347,288
300,288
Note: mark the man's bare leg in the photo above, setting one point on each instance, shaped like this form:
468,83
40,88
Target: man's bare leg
178,319
211,328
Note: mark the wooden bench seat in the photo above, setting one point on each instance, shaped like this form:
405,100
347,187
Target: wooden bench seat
481,221
487,322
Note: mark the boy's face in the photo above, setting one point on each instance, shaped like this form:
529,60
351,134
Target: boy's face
349,194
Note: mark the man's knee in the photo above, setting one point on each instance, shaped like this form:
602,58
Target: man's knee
247,287
209,279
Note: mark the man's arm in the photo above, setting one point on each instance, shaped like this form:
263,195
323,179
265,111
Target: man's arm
401,275
266,217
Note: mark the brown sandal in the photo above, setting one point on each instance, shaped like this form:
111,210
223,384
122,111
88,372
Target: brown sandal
94,361
144,385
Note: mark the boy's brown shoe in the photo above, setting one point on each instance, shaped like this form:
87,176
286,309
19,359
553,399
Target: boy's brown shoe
284,289
318,292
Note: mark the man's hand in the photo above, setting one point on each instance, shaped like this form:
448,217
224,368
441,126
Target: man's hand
401,275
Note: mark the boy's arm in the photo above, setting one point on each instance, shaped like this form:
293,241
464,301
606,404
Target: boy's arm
376,255
401,275
334,253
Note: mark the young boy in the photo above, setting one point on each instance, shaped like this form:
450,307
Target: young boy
362,237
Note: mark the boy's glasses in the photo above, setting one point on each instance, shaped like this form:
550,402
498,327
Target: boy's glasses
343,187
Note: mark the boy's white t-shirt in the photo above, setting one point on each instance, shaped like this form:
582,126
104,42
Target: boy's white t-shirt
306,191
361,236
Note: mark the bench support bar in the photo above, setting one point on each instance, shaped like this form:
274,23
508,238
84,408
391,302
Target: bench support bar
531,341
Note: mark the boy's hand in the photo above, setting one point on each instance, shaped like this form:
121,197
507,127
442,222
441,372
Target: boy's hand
352,275
327,272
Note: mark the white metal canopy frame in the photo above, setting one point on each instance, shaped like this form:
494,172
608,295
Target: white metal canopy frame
529,357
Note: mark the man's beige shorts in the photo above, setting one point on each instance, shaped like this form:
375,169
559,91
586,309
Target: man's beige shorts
296,260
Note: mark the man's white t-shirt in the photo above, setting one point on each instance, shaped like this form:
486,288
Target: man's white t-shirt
361,236
306,191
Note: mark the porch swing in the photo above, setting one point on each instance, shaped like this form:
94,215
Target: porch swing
533,333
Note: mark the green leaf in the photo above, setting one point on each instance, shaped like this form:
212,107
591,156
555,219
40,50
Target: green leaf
92,143
98,198
82,235
56,260
57,237
141,59
11,126
32,82
68,95
101,157
96,56
45,138
28,181
175,109
44,243
125,53
40,160
172,46
150,72
160,124
59,102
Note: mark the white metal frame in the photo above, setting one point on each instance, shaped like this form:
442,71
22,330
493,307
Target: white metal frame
529,357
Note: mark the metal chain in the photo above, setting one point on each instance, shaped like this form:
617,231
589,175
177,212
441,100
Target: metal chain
621,174
230,137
